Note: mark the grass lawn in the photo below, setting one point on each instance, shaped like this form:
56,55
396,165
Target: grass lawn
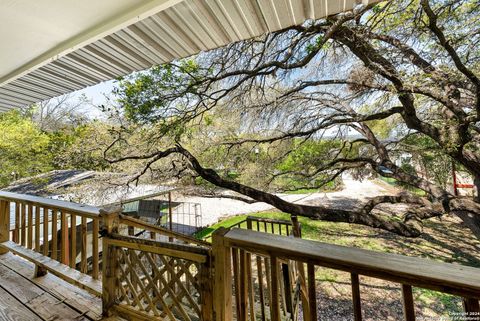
444,240
304,191
393,182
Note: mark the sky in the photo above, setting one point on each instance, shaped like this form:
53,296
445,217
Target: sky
96,94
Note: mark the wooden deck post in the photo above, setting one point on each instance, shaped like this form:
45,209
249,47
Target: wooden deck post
206,290
109,225
16,232
4,223
471,306
297,232
408,303
296,227
109,276
64,241
357,307
222,258
170,213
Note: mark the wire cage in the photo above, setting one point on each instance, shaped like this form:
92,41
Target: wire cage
182,217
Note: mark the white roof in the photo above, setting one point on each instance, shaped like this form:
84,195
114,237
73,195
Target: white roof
52,47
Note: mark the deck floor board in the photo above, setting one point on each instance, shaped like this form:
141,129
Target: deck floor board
13,310
23,297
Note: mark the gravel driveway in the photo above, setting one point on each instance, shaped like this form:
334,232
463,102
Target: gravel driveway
355,191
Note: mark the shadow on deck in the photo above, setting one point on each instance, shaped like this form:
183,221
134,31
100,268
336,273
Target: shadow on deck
23,297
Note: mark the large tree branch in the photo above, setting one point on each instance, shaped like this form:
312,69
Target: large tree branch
410,226
329,121
432,24
285,63
453,138
379,64
363,217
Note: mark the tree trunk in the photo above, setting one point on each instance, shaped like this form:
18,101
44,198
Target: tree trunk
476,182
471,221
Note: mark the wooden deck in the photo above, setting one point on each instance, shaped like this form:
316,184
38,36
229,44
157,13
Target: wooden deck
165,275
23,297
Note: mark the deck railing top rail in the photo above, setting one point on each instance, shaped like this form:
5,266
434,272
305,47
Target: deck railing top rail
85,210
445,277
183,251
133,222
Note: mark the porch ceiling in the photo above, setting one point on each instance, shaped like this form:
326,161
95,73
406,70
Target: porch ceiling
52,47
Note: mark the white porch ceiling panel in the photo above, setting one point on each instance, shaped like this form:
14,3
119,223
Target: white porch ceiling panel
52,55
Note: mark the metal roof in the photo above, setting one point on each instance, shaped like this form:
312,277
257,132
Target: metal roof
130,38
86,187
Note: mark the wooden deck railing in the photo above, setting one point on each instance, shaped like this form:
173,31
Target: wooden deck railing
152,273
267,225
63,231
135,227
236,252
147,279
148,271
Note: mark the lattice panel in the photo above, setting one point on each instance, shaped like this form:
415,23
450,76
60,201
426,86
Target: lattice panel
159,285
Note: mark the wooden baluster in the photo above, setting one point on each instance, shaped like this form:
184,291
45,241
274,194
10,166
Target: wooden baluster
251,288
243,287
30,227
45,232
303,290
237,280
471,307
408,306
287,281
37,228
282,291
83,263
23,224
73,241
170,213
312,292
295,290
268,277
95,257
16,234
64,257
249,278
357,307
274,303
223,276
260,287
54,254
4,223
131,232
